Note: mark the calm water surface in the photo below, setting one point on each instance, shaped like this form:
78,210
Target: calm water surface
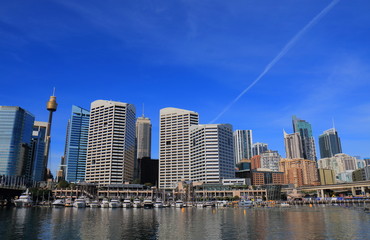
273,223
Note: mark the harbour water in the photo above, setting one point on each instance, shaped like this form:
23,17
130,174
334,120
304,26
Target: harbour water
319,222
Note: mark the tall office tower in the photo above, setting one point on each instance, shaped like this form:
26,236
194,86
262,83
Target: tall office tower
242,145
37,167
329,143
143,137
111,143
76,144
293,145
15,140
51,106
270,159
258,148
211,153
308,143
174,148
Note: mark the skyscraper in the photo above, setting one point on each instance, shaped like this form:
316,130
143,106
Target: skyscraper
111,143
293,145
76,144
258,148
37,166
143,137
329,143
15,142
174,145
270,159
308,143
242,145
211,153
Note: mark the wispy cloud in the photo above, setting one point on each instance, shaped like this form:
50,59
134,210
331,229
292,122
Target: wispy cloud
285,49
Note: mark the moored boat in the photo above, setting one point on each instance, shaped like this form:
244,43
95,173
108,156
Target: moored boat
25,200
79,203
127,203
283,204
137,203
115,203
148,203
58,203
158,203
68,202
105,203
245,203
179,204
94,204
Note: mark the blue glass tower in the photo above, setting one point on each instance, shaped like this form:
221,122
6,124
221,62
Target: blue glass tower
15,141
329,143
308,143
76,144
38,151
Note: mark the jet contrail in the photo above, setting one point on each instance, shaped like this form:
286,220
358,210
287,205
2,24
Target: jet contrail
286,48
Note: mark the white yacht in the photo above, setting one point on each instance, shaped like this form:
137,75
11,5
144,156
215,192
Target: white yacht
199,205
179,204
245,203
58,203
137,203
25,200
127,203
94,204
148,203
115,203
209,204
158,203
105,203
79,203
284,204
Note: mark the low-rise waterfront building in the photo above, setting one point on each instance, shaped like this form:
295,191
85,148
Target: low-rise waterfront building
234,181
265,176
327,176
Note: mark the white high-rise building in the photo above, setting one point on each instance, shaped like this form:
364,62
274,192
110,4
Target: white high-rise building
258,148
270,159
174,148
211,153
143,137
111,143
293,145
242,145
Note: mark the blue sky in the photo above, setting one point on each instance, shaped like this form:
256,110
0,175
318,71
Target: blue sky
196,55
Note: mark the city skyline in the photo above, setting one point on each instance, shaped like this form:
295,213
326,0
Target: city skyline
166,54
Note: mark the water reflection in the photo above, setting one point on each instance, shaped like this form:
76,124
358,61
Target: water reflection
192,223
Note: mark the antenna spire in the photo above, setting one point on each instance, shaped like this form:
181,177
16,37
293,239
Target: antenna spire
333,123
143,109
53,91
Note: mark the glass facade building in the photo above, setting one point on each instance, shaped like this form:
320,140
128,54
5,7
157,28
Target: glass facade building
15,140
308,143
38,160
329,143
76,144
242,145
